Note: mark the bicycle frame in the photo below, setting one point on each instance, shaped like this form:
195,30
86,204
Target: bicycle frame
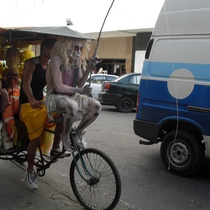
85,173
42,162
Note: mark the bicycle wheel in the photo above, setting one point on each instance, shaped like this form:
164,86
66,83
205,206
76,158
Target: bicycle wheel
95,180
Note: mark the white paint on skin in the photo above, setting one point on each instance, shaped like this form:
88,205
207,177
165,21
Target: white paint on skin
77,51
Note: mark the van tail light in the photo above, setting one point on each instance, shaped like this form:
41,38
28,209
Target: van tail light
137,102
106,86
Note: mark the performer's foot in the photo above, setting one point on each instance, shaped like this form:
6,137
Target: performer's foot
68,145
79,139
57,151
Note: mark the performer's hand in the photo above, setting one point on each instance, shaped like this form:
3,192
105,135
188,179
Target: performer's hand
93,62
87,90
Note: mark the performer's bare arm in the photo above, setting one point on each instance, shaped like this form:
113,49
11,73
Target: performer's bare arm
91,64
27,78
56,77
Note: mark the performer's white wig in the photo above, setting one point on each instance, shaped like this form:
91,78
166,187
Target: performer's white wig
64,46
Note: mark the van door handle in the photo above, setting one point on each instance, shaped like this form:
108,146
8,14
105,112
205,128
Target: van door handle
198,109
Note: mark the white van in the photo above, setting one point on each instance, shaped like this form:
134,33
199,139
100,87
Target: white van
174,93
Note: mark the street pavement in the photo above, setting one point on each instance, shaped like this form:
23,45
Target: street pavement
146,182
54,190
15,195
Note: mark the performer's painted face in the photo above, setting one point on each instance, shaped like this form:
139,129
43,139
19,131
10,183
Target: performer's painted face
77,51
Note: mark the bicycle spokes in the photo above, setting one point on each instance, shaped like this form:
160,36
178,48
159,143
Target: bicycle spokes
95,180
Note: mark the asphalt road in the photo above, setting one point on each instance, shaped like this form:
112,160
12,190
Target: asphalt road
146,183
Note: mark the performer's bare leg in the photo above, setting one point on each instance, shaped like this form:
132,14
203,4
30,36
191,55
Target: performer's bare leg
94,111
58,131
69,108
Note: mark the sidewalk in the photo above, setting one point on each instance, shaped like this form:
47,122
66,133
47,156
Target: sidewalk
54,191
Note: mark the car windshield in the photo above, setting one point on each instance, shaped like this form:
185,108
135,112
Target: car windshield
129,79
99,79
120,77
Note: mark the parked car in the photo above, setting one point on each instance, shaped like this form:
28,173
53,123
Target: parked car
122,92
97,80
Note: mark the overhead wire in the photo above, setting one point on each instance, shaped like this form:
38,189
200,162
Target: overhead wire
173,68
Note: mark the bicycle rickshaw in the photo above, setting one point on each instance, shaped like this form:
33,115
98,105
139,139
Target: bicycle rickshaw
94,177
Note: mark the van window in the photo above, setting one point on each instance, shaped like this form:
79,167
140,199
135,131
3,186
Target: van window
149,47
187,53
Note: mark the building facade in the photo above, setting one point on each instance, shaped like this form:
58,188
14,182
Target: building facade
121,54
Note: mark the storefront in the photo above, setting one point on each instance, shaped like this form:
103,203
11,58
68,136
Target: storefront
120,54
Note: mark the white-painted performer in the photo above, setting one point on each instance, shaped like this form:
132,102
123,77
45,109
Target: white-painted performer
65,91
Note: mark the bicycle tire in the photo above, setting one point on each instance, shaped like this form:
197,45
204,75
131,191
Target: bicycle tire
102,189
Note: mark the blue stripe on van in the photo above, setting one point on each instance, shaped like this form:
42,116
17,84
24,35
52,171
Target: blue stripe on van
163,70
157,105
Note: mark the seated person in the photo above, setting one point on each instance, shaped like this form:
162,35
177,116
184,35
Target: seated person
65,91
12,107
10,92
32,111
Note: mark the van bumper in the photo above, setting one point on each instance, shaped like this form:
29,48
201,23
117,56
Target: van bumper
146,130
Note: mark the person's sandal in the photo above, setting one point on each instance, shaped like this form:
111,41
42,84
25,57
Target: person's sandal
55,152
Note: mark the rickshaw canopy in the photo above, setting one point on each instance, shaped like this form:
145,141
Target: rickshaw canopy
38,33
